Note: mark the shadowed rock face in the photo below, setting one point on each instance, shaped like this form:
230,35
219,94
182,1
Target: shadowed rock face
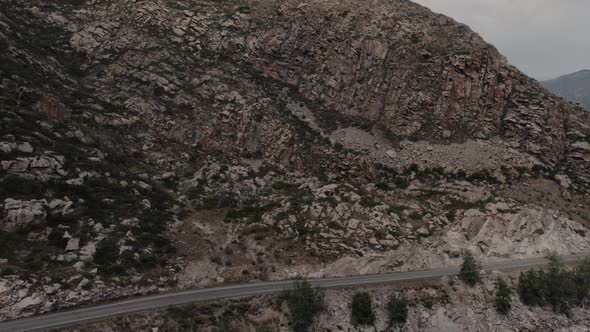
397,65
402,68
389,64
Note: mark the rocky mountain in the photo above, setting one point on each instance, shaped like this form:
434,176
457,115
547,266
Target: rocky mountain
573,87
153,145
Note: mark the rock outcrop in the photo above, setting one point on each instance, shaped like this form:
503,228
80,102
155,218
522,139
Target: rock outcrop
20,214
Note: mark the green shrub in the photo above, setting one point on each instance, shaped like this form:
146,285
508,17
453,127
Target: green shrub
461,174
459,204
280,185
7,271
304,302
54,220
10,242
415,215
107,254
182,315
426,194
21,187
56,239
560,290
368,202
582,280
282,215
531,287
427,303
470,270
402,183
503,297
413,168
251,210
362,309
559,287
383,186
218,201
35,260
397,310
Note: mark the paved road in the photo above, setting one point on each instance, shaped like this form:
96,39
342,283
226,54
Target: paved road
163,300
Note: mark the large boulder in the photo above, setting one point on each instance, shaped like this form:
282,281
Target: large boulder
18,214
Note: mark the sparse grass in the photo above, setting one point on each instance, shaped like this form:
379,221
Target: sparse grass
368,201
402,183
285,186
427,303
459,204
200,315
380,235
282,216
415,215
426,194
397,209
383,186
217,201
251,210
335,225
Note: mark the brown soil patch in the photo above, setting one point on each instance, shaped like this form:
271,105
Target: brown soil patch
198,232
550,195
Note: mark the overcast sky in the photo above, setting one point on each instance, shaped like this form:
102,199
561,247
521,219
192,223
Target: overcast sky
543,38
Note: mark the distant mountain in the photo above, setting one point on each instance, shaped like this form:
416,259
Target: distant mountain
574,87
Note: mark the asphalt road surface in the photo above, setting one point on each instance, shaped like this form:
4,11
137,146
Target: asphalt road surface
72,317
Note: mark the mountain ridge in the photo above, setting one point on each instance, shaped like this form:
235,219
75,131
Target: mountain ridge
574,87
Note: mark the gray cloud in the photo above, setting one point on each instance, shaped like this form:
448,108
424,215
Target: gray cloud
543,38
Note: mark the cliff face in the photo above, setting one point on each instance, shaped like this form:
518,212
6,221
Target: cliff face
133,132
389,64
396,65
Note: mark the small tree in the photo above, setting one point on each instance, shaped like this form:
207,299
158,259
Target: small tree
582,280
470,270
560,285
304,303
362,309
503,297
397,310
531,287
106,257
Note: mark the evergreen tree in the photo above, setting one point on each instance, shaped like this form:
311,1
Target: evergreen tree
470,270
397,310
582,281
362,309
304,303
560,287
503,297
531,287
